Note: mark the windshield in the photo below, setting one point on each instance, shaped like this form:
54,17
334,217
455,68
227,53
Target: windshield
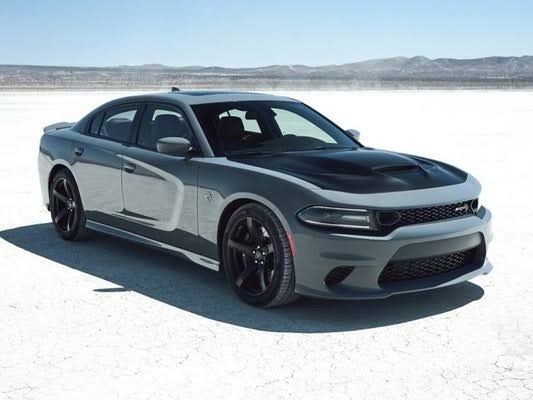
267,127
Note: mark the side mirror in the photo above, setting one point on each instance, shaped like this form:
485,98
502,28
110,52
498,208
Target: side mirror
353,133
174,146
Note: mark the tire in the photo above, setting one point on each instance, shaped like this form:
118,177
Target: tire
66,209
257,257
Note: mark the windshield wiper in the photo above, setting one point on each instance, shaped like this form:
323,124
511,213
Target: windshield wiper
281,151
328,148
252,153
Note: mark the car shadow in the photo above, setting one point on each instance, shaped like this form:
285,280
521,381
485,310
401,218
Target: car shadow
184,285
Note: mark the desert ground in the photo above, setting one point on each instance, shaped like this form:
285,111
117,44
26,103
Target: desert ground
106,319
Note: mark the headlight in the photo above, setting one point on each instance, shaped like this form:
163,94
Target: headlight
338,217
475,205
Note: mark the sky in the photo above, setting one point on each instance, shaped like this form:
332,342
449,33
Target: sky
256,33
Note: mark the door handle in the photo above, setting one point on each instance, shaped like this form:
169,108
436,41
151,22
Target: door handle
78,151
129,167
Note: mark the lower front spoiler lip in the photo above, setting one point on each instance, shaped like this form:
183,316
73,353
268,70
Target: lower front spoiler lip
347,293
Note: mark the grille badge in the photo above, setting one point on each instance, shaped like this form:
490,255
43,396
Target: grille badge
462,208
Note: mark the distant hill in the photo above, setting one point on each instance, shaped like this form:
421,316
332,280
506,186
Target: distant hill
397,72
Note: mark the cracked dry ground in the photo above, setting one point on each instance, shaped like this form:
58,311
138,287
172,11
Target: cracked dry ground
106,319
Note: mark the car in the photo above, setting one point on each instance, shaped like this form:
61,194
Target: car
266,190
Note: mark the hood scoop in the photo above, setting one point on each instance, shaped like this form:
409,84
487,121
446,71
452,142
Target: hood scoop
391,169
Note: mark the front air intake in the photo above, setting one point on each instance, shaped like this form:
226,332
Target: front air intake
397,271
337,275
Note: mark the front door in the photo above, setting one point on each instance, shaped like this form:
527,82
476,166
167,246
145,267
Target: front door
160,191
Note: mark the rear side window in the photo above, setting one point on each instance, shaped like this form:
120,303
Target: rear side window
118,123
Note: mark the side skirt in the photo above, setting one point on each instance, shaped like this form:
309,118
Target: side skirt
195,258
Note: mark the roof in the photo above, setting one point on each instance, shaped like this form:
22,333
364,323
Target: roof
201,97
211,96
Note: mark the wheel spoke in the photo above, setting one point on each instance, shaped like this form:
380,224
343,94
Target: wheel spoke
61,215
59,196
245,274
262,281
255,238
270,248
240,247
270,275
70,220
67,188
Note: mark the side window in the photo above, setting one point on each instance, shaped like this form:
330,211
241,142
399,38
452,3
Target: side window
95,124
118,123
250,124
290,123
161,121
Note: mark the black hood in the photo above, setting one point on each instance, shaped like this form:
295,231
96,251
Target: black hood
363,170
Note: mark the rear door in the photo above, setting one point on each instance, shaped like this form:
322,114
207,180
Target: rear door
160,191
97,161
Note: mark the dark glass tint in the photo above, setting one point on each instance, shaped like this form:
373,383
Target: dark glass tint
268,127
160,122
118,123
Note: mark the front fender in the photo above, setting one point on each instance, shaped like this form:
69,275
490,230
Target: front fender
221,182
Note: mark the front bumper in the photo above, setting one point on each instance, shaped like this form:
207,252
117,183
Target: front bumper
319,252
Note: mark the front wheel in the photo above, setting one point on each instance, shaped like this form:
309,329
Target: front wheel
66,208
257,257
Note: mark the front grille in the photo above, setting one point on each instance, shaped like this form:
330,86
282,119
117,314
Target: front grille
424,267
337,275
390,220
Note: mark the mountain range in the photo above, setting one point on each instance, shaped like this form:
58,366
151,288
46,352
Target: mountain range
396,72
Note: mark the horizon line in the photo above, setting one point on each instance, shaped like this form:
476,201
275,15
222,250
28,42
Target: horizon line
256,67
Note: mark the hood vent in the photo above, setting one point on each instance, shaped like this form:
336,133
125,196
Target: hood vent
396,168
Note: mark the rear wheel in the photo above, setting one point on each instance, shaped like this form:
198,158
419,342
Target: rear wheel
257,257
66,209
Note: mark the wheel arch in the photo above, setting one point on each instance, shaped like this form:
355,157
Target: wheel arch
58,166
53,172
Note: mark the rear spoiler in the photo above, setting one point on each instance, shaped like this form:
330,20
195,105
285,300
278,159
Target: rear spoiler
59,125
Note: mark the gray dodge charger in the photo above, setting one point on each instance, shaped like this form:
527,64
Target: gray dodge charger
267,190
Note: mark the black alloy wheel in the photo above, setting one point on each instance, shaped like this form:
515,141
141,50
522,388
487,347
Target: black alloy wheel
257,257
252,254
66,209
